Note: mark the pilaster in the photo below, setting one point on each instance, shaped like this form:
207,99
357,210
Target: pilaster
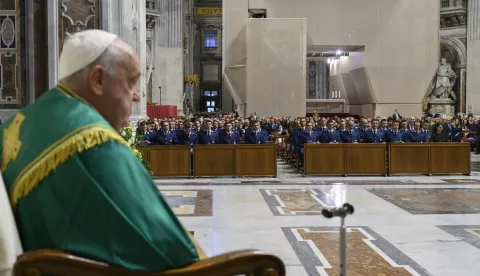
473,54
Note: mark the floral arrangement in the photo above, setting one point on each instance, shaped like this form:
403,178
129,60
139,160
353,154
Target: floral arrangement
128,133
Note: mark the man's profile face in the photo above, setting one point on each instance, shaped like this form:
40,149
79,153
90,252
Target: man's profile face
215,124
342,125
116,92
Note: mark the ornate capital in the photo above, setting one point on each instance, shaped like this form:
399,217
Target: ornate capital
453,20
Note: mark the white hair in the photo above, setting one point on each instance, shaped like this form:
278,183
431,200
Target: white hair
108,60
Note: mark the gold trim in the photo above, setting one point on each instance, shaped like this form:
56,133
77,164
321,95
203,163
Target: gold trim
76,141
11,141
69,91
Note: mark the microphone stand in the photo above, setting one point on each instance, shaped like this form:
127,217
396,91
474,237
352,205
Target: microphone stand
342,212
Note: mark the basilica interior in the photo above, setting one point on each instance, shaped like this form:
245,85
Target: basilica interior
350,98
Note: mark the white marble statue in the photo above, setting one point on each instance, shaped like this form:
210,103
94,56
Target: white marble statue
445,81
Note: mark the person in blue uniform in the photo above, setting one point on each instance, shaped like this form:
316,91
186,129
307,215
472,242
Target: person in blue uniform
375,135
228,136
307,136
256,135
395,135
271,126
186,136
330,135
207,136
416,135
350,135
164,136
426,131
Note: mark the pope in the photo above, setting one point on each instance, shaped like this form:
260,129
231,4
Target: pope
77,187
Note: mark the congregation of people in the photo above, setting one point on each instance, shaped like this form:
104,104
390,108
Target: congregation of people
230,129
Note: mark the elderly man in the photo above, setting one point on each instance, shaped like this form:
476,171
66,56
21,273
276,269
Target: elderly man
78,187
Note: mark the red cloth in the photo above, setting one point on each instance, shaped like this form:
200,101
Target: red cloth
161,111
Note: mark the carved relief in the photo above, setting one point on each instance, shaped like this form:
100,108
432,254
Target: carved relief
10,53
78,15
453,20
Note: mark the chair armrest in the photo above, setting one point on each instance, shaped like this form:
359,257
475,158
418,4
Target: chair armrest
57,263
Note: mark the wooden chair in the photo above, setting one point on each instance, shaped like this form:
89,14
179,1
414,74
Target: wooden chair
56,263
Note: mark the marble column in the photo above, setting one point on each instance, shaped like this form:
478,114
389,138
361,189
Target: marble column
52,41
169,54
191,32
127,19
473,54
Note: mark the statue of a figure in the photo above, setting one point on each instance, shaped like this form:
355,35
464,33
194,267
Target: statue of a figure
445,81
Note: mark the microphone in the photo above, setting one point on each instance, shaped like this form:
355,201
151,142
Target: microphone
342,212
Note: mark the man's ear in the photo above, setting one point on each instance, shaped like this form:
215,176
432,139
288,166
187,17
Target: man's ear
96,79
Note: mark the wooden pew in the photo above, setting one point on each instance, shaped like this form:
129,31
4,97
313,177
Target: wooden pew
429,158
234,160
56,263
213,160
345,159
256,160
168,161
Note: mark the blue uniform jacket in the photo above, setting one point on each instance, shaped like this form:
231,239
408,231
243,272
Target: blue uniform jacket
186,139
205,139
259,137
351,137
160,138
224,138
330,137
400,136
416,137
375,136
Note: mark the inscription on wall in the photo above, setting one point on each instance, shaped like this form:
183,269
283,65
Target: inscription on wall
10,53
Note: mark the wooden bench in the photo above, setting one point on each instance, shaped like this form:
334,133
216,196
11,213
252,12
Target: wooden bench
429,158
345,159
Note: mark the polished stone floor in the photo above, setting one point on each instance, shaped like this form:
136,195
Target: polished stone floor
408,225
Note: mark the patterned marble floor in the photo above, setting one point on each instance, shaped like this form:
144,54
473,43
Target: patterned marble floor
409,225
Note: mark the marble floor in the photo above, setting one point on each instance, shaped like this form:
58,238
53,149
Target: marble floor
408,225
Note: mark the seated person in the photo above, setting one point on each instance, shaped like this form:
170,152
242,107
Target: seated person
89,195
228,136
186,136
426,130
438,134
271,126
375,135
308,136
350,135
416,135
207,136
256,135
395,135
165,136
330,135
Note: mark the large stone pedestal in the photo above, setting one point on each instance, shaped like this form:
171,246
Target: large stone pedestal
443,106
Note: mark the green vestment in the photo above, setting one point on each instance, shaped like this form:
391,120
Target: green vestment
75,185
